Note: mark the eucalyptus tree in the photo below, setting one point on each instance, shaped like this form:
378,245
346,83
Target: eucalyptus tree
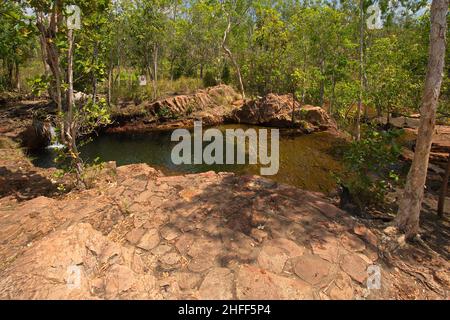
145,29
204,34
268,67
389,82
62,43
410,204
235,13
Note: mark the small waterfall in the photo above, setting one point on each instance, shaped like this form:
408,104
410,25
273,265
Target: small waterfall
54,139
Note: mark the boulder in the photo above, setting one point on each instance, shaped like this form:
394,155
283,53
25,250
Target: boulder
277,111
37,135
184,105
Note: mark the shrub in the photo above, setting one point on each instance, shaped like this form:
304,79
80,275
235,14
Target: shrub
369,167
226,74
209,80
165,113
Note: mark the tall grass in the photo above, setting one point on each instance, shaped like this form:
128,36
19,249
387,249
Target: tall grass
128,87
124,86
28,71
31,70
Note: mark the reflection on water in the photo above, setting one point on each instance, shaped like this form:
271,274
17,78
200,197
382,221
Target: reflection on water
306,161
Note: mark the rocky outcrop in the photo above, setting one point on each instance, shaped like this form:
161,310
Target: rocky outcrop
36,136
281,111
78,263
212,105
18,117
220,104
176,106
144,235
439,153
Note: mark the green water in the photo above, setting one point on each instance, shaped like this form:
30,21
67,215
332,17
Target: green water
306,161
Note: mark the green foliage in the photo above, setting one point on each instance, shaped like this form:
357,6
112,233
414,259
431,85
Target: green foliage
369,165
226,74
271,41
94,115
165,113
390,83
39,84
190,108
88,117
310,49
268,57
209,79
17,39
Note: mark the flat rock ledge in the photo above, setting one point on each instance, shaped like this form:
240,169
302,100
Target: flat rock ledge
198,236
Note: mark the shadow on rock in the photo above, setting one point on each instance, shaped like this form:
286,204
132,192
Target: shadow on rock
25,185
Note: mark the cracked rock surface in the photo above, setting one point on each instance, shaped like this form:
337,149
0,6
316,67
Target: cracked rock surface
197,236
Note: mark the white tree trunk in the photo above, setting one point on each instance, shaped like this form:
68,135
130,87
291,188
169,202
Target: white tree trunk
48,32
233,60
155,71
71,125
69,92
361,70
411,202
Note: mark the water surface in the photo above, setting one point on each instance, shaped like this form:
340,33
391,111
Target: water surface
307,161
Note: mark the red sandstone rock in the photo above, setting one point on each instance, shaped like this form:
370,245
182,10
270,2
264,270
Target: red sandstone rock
217,285
355,267
202,245
257,284
312,268
274,110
